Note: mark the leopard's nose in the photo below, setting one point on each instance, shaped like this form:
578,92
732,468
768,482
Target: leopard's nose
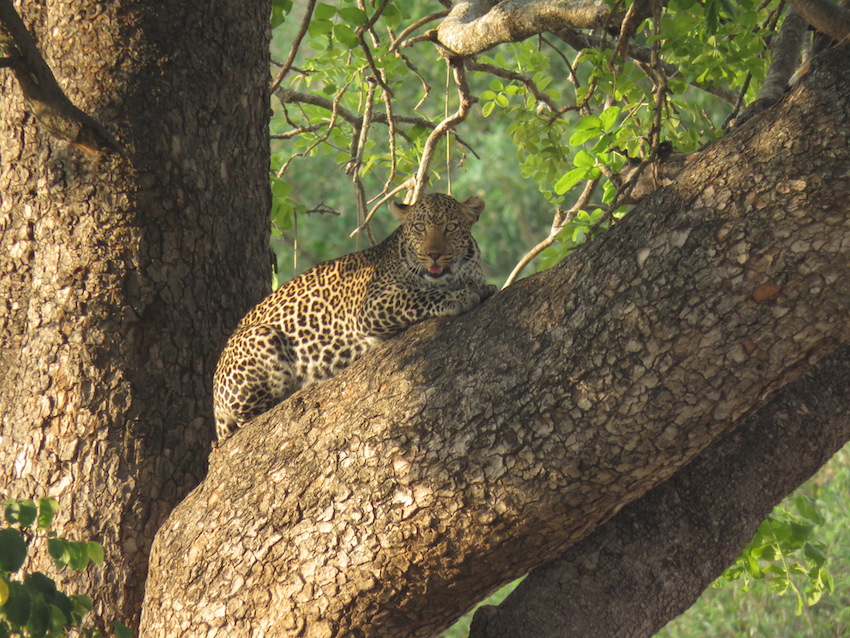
435,256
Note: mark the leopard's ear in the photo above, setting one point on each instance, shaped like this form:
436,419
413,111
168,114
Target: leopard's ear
400,210
471,209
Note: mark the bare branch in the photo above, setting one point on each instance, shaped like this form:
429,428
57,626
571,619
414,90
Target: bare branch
474,26
560,219
296,44
288,96
334,108
413,27
387,196
465,105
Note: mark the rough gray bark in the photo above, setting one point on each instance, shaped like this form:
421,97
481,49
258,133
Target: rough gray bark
653,560
121,277
387,500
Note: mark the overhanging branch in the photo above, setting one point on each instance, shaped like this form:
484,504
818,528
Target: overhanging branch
474,26
44,97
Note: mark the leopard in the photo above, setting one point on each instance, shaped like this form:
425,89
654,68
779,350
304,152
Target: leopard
317,324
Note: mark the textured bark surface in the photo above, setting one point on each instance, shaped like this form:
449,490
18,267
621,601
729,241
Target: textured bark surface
474,26
121,277
652,561
387,500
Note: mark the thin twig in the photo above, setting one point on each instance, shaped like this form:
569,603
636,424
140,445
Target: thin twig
498,71
466,100
573,77
391,138
560,219
365,224
288,96
296,44
413,27
330,125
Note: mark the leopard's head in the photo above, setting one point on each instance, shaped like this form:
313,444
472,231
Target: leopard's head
436,232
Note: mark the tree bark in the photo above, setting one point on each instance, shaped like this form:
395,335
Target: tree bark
460,455
120,277
653,560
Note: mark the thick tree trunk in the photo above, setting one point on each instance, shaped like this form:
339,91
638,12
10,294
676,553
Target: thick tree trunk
121,276
387,500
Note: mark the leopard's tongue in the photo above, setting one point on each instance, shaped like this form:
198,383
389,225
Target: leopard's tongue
435,269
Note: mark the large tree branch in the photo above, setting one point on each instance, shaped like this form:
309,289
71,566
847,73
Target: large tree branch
388,499
639,570
825,16
474,26
785,57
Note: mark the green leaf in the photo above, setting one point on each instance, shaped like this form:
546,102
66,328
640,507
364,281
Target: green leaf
83,601
79,555
17,608
814,554
121,630
570,179
589,122
58,550
501,100
13,550
324,11
353,15
609,117
487,108
4,591
39,620
22,511
95,552
580,137
344,34
59,620
320,27
808,509
47,508
753,567
41,583
583,158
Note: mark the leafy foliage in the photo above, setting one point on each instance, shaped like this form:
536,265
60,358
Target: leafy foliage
30,603
784,553
802,553
570,118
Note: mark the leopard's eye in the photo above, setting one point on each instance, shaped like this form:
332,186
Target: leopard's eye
452,227
419,227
